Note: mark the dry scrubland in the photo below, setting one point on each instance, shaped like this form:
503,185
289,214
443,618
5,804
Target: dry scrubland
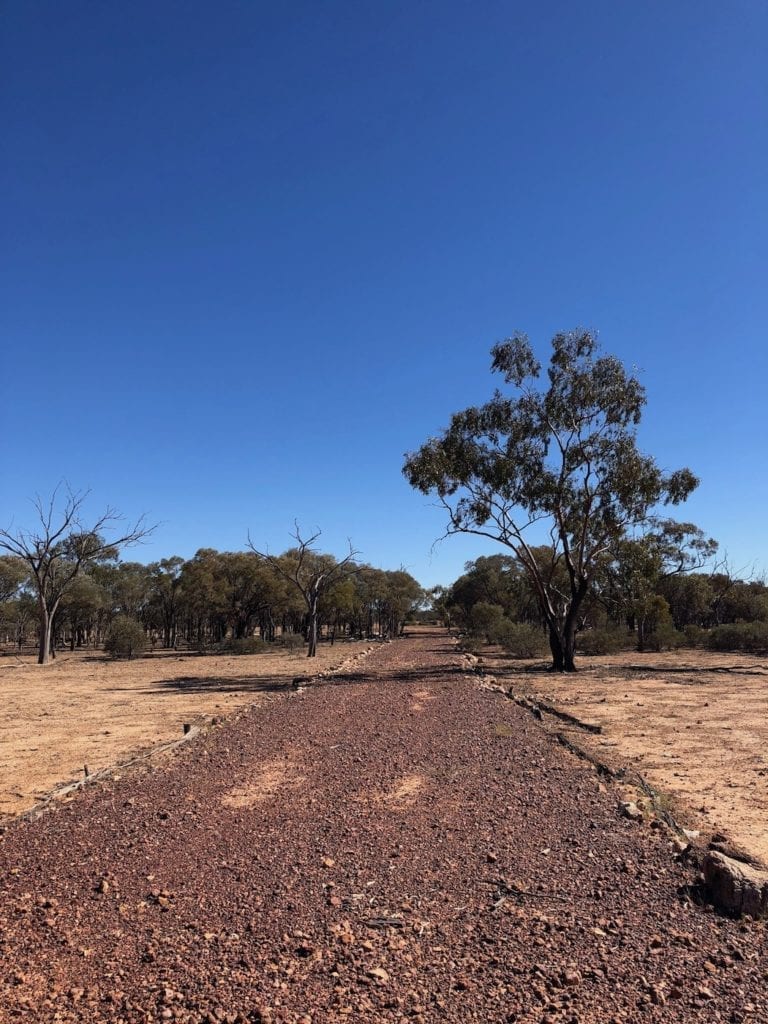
85,709
694,723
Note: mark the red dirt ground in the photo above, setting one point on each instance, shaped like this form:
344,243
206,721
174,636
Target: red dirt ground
391,844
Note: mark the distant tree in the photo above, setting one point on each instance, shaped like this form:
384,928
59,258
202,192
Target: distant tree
59,548
81,605
165,582
311,573
564,457
638,568
128,587
402,596
13,573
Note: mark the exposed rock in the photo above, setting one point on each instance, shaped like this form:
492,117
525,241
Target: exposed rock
735,887
629,809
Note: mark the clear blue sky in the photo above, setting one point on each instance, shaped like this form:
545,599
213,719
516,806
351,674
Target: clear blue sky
252,253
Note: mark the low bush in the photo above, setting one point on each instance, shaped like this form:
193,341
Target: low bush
695,636
601,641
521,639
751,637
664,638
291,641
126,638
485,620
471,644
246,645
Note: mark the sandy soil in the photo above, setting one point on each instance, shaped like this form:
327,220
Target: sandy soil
88,710
694,723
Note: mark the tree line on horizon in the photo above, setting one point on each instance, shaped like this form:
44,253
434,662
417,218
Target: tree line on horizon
63,585
637,601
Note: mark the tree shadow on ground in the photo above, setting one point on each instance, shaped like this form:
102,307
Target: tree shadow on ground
285,684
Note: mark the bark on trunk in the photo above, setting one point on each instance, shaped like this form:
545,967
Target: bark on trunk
312,629
44,650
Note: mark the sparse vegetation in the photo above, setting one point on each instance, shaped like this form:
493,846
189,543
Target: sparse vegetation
245,645
216,600
602,641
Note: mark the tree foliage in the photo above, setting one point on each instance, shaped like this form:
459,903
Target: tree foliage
559,455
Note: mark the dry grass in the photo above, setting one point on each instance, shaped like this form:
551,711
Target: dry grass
87,710
695,723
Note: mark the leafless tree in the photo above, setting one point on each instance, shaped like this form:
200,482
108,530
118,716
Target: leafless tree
60,547
311,573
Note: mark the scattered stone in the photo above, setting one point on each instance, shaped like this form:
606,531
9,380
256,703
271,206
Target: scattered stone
378,974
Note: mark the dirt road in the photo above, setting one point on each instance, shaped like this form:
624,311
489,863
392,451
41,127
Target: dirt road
393,845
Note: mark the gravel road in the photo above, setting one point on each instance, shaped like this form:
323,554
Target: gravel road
392,844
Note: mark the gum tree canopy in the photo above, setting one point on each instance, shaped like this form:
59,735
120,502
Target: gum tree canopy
560,455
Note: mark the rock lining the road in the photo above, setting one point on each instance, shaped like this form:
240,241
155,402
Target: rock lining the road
734,886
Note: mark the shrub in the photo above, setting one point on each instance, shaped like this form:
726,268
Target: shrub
521,639
246,645
601,641
695,636
292,641
664,638
751,637
471,644
126,638
484,621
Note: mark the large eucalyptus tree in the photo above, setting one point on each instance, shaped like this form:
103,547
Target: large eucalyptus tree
560,454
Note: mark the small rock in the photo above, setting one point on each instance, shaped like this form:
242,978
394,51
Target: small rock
378,974
629,809
657,996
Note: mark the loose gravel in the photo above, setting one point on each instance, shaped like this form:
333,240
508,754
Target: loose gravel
395,843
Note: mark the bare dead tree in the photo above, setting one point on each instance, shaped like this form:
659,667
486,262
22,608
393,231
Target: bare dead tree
60,547
311,573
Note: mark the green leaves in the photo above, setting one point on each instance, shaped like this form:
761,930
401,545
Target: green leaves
565,454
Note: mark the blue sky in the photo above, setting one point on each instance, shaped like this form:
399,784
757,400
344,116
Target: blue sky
253,253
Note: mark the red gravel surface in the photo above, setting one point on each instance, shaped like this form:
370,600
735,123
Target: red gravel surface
394,844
